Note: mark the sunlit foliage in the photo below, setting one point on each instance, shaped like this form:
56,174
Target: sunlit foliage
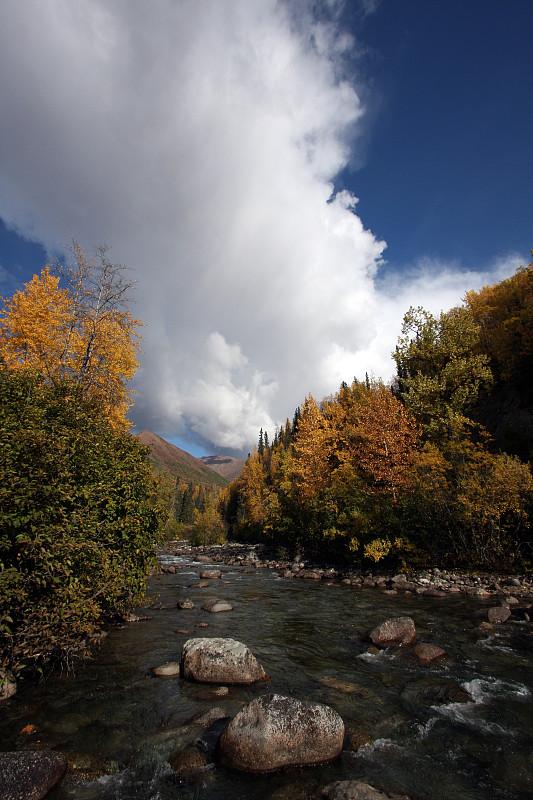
75,324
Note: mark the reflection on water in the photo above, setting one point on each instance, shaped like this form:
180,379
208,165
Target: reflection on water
119,726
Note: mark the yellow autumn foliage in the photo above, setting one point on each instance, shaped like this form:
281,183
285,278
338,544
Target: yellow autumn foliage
82,332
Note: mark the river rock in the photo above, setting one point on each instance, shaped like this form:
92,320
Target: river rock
432,592
188,761
8,685
210,574
206,718
355,738
273,732
352,790
395,631
427,653
199,585
185,604
498,614
215,605
219,660
168,670
29,775
136,617
420,694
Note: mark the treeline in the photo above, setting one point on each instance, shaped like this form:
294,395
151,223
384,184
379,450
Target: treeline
194,515
408,473
77,519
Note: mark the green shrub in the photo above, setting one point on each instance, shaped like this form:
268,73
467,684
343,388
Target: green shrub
77,531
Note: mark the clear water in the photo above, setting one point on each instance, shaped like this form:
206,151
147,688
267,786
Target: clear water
119,725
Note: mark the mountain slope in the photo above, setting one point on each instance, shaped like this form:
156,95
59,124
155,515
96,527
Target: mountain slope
227,466
166,457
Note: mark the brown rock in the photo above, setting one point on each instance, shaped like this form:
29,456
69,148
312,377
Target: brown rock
352,790
427,653
188,760
214,606
498,614
396,631
210,574
432,592
273,732
29,775
355,738
219,660
185,604
168,670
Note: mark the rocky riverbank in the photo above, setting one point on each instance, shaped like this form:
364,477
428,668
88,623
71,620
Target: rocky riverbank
510,589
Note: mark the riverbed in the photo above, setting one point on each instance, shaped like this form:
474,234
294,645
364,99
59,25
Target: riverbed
120,726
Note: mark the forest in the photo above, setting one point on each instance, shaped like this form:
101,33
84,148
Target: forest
433,469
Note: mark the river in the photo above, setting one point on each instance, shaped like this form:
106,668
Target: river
119,725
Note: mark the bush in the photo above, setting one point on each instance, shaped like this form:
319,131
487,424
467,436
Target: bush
77,532
208,528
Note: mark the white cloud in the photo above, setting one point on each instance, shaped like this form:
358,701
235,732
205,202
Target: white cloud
436,286
200,140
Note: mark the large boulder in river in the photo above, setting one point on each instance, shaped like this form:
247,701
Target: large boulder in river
29,774
395,631
273,732
219,660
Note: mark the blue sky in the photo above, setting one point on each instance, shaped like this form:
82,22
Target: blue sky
448,159
284,179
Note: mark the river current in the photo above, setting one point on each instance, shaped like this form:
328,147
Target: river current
119,725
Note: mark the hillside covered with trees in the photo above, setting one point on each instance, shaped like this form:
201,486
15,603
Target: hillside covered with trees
434,469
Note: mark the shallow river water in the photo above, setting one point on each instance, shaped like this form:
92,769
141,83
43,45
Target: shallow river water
119,725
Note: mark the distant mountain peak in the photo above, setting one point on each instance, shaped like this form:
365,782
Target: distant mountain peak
166,457
227,466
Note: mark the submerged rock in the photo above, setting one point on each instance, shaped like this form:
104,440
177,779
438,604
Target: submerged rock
418,695
188,761
185,604
395,631
29,775
168,670
273,732
219,660
352,790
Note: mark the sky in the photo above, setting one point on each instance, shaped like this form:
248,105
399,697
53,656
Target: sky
285,178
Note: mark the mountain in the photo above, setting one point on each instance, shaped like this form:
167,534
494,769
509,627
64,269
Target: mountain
166,457
230,468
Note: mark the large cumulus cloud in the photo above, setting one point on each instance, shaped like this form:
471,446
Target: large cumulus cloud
200,140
